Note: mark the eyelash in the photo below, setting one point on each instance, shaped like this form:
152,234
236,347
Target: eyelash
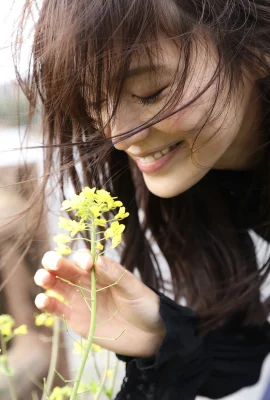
149,99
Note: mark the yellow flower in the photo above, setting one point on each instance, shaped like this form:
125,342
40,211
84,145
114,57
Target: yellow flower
62,393
117,203
96,348
90,205
100,221
105,200
115,232
75,227
6,324
62,238
121,214
21,330
63,249
89,193
99,246
70,225
44,319
51,293
63,223
110,373
95,210
66,205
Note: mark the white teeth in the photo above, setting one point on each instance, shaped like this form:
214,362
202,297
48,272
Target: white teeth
156,156
147,160
165,151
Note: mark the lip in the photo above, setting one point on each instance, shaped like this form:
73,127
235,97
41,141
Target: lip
160,163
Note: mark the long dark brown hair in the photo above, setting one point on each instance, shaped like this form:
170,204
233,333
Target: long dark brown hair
83,49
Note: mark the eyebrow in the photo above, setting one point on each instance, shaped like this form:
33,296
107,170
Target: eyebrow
144,69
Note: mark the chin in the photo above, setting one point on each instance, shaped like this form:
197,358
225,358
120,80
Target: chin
167,191
167,187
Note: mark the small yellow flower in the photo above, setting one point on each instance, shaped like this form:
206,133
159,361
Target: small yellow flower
105,200
121,214
6,324
62,393
63,249
63,223
115,232
117,204
51,293
110,373
44,319
71,225
96,348
62,238
89,193
94,387
99,246
21,330
66,205
76,227
100,221
95,210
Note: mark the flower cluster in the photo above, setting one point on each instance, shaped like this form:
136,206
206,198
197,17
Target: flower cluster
64,392
89,207
7,327
44,319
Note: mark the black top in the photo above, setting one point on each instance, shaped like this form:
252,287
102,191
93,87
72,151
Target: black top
225,360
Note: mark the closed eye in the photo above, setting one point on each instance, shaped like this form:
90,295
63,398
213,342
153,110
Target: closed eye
149,99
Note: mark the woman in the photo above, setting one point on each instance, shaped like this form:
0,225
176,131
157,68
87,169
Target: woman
165,104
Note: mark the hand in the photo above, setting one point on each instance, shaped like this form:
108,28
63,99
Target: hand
138,305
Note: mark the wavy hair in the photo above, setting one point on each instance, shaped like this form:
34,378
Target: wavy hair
83,49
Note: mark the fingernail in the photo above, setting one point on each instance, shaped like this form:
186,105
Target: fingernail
39,277
50,260
102,264
41,300
82,259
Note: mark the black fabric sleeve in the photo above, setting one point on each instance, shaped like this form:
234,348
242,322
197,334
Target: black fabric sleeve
180,366
186,365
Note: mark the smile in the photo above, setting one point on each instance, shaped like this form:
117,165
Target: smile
149,159
156,161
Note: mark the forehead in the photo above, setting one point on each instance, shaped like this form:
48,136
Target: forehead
163,57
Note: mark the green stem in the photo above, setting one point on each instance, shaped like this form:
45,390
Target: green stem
93,319
54,358
96,366
12,391
104,376
114,378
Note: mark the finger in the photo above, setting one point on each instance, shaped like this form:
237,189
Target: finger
52,306
115,274
83,259
49,281
62,267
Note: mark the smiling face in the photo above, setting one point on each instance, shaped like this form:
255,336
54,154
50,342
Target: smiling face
175,153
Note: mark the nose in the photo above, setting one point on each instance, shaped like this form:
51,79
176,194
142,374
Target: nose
126,120
127,142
